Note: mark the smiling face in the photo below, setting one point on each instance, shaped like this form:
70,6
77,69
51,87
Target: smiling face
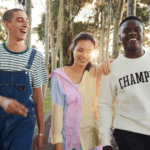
131,35
82,52
18,27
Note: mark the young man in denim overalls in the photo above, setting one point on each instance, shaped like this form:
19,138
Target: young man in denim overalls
17,80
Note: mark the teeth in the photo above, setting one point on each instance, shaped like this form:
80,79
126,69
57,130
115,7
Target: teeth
132,39
23,31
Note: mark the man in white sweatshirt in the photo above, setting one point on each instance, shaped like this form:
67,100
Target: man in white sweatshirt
129,84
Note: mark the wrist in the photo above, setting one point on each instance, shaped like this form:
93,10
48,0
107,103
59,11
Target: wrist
40,134
42,130
5,102
1,101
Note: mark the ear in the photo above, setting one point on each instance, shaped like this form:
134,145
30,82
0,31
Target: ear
6,25
120,37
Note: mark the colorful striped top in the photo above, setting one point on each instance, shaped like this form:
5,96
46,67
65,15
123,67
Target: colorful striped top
74,111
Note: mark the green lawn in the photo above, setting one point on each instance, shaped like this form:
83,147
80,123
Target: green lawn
47,103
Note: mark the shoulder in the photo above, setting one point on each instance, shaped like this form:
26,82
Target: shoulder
55,72
39,55
94,70
39,58
117,61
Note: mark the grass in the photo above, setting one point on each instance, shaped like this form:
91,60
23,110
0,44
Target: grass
47,103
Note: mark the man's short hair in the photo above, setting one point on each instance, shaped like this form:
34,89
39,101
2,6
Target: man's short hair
130,18
8,15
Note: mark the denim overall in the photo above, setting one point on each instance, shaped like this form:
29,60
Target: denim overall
16,132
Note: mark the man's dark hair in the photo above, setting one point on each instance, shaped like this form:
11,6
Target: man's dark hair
8,15
130,18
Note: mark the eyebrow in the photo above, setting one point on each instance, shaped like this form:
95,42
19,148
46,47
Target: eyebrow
22,18
83,48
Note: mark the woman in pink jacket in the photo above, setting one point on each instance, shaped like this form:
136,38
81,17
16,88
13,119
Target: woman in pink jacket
74,99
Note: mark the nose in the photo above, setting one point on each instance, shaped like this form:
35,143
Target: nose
85,55
132,32
26,24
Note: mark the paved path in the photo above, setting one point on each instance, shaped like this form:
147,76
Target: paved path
47,122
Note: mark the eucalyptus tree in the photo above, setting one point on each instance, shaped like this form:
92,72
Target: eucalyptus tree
131,8
117,18
28,6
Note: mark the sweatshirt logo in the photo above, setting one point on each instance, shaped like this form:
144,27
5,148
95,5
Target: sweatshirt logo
134,79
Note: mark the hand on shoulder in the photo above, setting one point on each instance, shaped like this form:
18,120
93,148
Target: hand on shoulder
105,67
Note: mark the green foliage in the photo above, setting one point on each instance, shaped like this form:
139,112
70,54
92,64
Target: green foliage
3,31
90,26
22,2
41,29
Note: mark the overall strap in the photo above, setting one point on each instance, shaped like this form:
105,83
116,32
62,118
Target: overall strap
31,59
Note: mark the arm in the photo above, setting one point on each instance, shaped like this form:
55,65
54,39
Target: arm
38,101
12,106
106,101
57,114
105,67
56,126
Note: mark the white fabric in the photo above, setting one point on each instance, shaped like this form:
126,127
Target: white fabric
129,82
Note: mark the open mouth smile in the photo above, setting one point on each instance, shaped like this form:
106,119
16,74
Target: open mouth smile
83,60
133,40
23,31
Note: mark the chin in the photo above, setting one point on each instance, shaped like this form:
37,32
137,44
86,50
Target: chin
21,39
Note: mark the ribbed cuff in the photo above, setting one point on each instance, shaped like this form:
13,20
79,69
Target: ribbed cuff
56,139
106,141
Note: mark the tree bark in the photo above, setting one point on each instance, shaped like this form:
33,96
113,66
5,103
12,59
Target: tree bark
149,11
131,8
101,37
46,44
61,38
115,51
70,25
108,32
55,50
28,12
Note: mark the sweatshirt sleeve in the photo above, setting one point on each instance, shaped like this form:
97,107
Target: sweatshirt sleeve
57,98
106,99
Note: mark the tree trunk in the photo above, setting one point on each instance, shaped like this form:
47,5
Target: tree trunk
131,8
70,25
46,43
101,37
52,44
118,17
149,11
28,12
55,50
61,38
108,32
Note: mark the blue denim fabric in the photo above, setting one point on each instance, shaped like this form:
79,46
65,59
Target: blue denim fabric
16,132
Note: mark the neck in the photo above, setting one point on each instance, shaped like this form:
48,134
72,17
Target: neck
16,46
129,53
78,68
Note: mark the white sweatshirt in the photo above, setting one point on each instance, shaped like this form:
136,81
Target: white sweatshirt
129,82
